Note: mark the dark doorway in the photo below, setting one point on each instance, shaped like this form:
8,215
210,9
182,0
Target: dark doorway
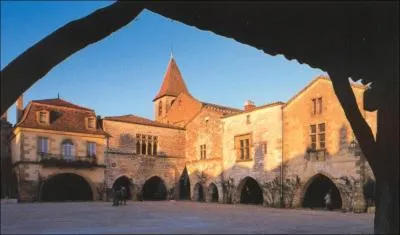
154,189
184,186
124,181
213,192
198,192
316,191
66,187
369,192
251,192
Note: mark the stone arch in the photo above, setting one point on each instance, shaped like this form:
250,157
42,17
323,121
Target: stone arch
249,191
319,184
67,187
125,181
154,189
184,185
213,194
198,194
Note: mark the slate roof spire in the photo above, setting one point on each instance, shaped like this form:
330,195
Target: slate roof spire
173,83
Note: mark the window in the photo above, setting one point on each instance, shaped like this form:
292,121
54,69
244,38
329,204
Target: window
159,108
319,105
203,152
242,145
314,106
91,149
91,123
248,121
67,149
313,137
43,145
138,144
146,144
264,147
149,145
42,117
154,145
321,135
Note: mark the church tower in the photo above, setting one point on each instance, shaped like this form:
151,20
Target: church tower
172,86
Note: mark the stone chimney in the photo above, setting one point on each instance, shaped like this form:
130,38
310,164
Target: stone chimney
249,105
20,107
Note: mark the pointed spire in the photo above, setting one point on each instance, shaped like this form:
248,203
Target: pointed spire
173,83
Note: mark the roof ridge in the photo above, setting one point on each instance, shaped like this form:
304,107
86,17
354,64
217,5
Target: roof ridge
72,105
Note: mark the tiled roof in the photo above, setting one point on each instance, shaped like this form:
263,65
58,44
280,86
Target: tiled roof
60,102
139,120
223,109
256,108
173,83
64,116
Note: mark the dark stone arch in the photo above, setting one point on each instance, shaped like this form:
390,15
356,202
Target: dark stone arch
125,182
213,193
184,185
199,193
250,191
315,191
154,189
66,187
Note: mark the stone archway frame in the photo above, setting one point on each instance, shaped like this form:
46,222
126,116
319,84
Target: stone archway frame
90,183
132,186
302,190
195,197
239,188
162,180
208,196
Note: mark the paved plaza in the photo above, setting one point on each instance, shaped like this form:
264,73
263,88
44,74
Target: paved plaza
174,217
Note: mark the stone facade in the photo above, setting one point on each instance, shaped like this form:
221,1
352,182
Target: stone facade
264,126
279,148
339,162
123,160
34,168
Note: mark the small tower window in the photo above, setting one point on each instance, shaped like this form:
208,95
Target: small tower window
159,108
91,123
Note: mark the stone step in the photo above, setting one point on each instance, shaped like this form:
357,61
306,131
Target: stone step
9,201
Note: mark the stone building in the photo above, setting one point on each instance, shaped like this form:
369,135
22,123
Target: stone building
8,189
57,152
278,154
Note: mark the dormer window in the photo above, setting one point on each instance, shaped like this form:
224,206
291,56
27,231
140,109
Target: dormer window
43,117
91,123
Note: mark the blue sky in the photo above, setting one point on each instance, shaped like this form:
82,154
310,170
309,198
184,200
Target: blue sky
122,73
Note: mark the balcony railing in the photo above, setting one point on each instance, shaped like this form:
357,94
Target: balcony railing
58,160
316,155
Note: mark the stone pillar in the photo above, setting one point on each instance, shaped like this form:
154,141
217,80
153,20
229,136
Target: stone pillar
28,191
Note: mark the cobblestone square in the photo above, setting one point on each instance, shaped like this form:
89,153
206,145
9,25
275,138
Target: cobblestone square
175,217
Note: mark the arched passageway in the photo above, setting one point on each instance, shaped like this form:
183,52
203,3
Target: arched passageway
66,187
123,181
250,192
198,193
184,186
317,188
154,189
213,193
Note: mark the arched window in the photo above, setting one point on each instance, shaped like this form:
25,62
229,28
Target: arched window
159,108
67,149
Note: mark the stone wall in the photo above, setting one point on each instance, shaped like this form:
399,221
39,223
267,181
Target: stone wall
122,159
340,161
31,174
265,127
